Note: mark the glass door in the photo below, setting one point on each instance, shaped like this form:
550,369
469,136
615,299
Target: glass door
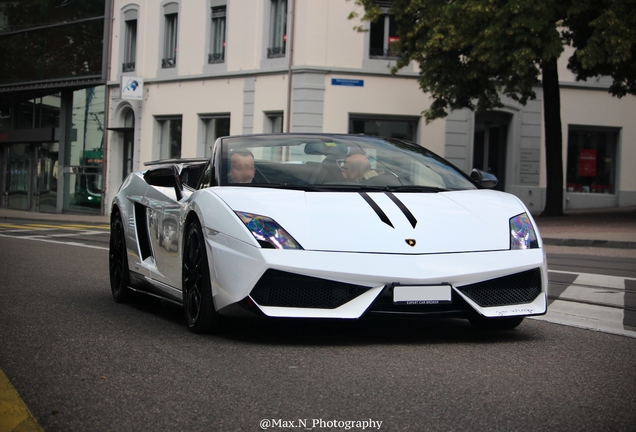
18,169
47,177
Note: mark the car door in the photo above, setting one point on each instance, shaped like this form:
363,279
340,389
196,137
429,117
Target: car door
164,205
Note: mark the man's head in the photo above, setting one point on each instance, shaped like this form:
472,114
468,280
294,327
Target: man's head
355,167
242,166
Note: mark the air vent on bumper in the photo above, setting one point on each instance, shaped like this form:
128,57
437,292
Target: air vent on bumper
514,289
283,289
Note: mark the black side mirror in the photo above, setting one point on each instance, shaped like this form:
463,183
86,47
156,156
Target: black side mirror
484,179
165,177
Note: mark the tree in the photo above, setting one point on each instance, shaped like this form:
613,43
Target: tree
472,51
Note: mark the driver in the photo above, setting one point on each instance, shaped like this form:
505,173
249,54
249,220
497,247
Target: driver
357,168
242,168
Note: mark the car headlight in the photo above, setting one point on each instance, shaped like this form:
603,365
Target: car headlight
522,235
267,232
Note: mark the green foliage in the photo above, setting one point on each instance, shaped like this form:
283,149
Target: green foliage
471,51
604,35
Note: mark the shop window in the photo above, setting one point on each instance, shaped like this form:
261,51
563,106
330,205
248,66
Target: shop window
130,41
215,126
591,164
217,35
85,154
170,137
277,29
384,126
171,27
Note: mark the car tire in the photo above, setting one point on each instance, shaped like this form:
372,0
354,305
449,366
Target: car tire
495,324
118,261
198,304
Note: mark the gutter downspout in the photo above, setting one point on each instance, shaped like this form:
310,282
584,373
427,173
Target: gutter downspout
289,67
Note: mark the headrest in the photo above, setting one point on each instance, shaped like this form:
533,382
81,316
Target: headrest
325,148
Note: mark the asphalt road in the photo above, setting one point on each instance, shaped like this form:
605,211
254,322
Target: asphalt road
82,362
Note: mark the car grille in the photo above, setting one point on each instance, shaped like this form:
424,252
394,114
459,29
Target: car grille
278,288
514,289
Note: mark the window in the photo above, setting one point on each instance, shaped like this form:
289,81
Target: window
277,29
217,35
169,59
170,137
216,125
44,41
390,127
591,164
382,33
130,44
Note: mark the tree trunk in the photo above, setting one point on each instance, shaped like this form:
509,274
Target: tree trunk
553,140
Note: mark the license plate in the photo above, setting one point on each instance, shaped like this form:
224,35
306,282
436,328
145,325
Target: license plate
422,294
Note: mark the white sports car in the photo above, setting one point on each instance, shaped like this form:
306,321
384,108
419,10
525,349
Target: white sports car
325,226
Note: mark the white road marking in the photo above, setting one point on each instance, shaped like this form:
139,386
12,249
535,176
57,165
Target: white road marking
591,317
54,241
596,280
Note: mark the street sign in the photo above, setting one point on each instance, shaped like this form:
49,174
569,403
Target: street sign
347,82
132,87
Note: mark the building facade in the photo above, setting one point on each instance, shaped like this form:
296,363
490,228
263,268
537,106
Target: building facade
54,56
184,73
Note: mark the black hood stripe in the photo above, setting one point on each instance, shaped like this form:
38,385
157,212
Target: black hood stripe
376,208
402,207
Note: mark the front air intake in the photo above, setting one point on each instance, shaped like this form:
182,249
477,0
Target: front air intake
283,289
514,289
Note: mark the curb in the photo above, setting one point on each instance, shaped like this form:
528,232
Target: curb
590,243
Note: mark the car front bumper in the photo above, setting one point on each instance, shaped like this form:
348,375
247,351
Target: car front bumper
237,268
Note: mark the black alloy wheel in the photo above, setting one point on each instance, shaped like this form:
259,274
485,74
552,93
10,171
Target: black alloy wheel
198,303
118,261
495,324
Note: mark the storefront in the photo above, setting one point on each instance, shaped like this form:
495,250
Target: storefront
56,165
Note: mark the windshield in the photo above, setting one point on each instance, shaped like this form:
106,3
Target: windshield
317,162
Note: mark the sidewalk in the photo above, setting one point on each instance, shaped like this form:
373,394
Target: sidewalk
50,217
607,228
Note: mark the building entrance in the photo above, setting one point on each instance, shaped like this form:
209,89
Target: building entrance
17,188
490,144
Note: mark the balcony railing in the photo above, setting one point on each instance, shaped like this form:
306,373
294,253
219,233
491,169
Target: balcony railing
383,53
128,67
274,52
216,57
168,62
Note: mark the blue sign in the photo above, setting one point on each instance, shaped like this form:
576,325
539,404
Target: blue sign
347,82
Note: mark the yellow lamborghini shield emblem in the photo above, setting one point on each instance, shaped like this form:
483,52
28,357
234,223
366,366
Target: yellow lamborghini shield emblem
410,242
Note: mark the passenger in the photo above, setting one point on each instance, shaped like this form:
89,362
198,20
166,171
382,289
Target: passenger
357,168
242,168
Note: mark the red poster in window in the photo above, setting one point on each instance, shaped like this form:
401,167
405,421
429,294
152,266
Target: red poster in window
393,39
587,163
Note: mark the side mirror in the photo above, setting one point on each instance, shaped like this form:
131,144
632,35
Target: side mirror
165,177
484,179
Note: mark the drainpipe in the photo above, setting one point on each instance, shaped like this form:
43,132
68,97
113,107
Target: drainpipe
289,66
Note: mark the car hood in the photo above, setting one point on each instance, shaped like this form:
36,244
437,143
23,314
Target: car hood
379,222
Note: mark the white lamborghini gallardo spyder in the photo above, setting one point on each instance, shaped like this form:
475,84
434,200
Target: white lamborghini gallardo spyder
325,226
